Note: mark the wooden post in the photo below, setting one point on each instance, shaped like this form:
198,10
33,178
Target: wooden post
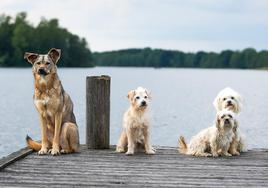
98,112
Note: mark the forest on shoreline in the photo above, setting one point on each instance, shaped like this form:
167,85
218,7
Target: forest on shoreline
248,58
18,35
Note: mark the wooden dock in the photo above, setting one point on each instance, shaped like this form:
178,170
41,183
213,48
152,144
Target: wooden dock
95,166
105,168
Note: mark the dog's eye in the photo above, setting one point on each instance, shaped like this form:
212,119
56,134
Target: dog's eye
224,99
232,98
230,116
38,63
137,97
145,97
222,117
47,63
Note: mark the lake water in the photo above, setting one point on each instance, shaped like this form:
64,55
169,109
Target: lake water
181,103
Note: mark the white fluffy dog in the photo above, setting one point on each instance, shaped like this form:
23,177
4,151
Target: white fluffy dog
228,99
136,124
231,100
212,141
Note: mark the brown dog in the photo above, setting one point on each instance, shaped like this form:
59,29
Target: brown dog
58,125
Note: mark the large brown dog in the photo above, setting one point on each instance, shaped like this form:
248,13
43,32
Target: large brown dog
58,125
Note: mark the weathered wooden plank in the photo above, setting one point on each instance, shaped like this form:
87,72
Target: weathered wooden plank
5,161
138,177
98,112
167,168
141,182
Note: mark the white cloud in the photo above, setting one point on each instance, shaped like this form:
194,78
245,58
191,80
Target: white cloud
175,24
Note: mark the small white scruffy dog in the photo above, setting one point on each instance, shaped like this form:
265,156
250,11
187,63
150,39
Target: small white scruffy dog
212,141
136,124
228,99
232,100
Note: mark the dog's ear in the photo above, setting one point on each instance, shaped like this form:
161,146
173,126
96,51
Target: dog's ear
235,125
54,54
148,93
217,122
239,100
31,57
131,94
217,103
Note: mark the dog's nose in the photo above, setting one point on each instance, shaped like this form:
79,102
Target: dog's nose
226,121
229,102
42,71
143,103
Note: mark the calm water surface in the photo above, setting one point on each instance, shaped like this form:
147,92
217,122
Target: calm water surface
181,104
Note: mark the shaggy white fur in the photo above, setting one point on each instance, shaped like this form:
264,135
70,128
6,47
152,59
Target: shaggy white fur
232,100
212,141
228,99
136,124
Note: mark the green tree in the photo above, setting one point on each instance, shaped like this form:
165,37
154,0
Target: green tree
18,36
249,58
21,38
236,60
6,48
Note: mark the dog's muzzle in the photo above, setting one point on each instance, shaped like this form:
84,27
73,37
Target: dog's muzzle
229,103
42,72
227,122
143,103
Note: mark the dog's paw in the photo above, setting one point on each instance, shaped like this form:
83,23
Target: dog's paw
228,154
120,150
150,152
236,153
64,151
215,155
208,155
129,153
54,151
43,151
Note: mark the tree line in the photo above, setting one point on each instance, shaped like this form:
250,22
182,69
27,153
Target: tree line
248,58
17,36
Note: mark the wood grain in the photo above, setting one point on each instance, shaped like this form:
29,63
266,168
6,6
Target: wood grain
105,168
98,112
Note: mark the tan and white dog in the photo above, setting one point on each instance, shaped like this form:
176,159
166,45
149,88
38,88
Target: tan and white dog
232,100
136,124
58,125
212,141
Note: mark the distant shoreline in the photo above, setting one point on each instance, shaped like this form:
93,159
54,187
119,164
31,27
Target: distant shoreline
248,58
59,67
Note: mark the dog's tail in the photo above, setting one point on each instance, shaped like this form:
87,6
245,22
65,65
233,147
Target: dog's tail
36,146
182,145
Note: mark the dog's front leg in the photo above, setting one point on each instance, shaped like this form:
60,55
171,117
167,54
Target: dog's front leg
225,151
148,148
214,149
130,140
56,140
45,143
233,148
122,142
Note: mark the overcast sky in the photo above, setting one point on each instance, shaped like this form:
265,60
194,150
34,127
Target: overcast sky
190,25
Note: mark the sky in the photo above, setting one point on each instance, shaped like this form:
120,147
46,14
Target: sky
186,25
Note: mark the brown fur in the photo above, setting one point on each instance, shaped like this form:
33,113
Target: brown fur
182,145
36,146
58,124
